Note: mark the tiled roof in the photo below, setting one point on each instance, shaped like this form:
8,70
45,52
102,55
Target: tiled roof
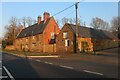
91,32
33,29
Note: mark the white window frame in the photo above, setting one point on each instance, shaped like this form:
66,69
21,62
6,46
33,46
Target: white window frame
52,34
33,37
67,43
26,39
65,35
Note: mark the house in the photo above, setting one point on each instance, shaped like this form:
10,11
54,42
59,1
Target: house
39,37
88,39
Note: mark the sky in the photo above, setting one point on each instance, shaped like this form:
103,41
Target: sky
86,11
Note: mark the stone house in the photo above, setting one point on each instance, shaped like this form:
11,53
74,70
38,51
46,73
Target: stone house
88,39
39,37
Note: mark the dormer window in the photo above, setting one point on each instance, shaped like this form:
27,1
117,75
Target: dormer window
32,32
25,34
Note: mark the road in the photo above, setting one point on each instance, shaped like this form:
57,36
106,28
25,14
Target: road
29,68
56,68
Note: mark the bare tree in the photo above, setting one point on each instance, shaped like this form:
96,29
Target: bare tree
11,29
24,20
98,23
115,23
115,26
34,21
80,23
29,21
58,22
70,20
64,20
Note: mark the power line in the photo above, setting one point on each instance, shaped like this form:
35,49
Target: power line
67,8
64,9
69,13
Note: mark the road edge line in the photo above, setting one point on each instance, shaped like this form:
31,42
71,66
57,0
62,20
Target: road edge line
92,72
9,74
66,67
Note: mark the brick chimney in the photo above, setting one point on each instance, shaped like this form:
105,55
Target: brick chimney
46,16
39,19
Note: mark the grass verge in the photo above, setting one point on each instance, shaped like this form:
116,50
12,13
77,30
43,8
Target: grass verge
25,53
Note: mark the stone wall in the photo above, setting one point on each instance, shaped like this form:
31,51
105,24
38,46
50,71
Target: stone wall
49,48
100,44
88,48
10,47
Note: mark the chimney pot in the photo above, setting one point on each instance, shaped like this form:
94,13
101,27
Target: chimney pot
39,19
46,16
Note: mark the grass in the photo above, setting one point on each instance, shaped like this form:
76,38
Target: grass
25,53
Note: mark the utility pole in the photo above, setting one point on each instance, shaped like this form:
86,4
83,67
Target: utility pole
76,8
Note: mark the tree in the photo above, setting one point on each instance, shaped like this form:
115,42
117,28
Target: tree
58,22
11,30
115,26
98,23
24,20
64,20
29,21
72,21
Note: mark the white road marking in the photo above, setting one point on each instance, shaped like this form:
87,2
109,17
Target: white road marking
46,62
50,63
92,72
3,77
38,60
9,74
66,67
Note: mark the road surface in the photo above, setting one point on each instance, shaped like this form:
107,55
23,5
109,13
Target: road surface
29,68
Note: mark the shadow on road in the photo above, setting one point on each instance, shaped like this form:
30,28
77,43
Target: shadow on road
25,68
19,67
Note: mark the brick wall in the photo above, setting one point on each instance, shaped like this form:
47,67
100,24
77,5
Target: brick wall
51,27
60,41
39,42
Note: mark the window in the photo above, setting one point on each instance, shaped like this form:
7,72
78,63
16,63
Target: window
52,35
33,37
32,32
26,46
26,39
21,40
67,42
25,34
33,44
65,35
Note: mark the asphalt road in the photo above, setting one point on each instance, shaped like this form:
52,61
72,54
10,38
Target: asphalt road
31,68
